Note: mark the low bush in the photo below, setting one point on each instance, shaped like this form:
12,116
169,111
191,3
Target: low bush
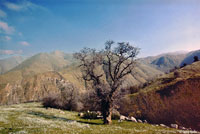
115,116
67,99
52,101
90,115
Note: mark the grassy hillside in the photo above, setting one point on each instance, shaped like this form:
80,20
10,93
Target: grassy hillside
31,118
9,63
173,98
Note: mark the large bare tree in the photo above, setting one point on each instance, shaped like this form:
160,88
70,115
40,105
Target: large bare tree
106,69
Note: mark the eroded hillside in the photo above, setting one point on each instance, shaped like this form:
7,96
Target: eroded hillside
33,89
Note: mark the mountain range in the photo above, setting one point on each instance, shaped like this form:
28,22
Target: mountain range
33,77
165,62
18,84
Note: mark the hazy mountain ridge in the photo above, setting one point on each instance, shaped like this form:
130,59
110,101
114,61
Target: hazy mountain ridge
9,63
165,62
44,62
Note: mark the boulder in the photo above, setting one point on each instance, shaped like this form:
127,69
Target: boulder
122,117
140,121
182,128
174,126
62,112
133,119
99,116
163,125
120,120
145,121
128,119
80,114
98,113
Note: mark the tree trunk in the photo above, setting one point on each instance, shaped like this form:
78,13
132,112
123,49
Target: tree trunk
108,119
106,112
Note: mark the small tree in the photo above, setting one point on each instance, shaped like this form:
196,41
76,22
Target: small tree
106,69
196,58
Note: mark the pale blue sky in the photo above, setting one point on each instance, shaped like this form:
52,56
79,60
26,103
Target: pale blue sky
156,26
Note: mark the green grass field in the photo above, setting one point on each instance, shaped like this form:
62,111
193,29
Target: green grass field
32,118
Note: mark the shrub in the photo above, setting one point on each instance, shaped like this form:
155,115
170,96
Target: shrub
176,74
70,98
67,99
115,116
52,101
196,58
90,115
90,101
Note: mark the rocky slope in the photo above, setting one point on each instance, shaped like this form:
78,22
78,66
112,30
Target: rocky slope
33,88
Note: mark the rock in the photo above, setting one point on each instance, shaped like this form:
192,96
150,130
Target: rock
145,121
128,119
140,121
163,125
174,126
122,117
99,113
99,116
120,120
62,112
81,114
182,128
133,119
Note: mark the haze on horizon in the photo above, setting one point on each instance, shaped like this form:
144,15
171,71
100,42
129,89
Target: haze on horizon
32,26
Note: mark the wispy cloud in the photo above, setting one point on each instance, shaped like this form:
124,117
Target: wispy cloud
2,14
13,6
10,52
22,6
24,43
6,28
5,38
8,38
